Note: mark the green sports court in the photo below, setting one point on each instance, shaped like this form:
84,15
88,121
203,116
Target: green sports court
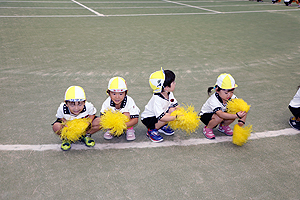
49,45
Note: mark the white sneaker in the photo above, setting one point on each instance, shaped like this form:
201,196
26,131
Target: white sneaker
107,135
130,135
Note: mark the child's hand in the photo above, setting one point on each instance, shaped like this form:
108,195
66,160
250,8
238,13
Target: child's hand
241,114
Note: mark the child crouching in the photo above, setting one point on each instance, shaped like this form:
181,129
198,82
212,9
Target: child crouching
157,112
118,100
75,107
213,112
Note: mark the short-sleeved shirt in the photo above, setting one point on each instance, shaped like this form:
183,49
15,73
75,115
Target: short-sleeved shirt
213,104
295,102
64,112
158,106
127,105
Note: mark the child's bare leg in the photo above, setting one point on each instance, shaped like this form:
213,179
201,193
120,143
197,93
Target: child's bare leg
227,122
95,126
57,127
159,124
215,120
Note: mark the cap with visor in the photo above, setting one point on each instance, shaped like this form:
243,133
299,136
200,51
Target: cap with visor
117,84
226,81
75,93
156,80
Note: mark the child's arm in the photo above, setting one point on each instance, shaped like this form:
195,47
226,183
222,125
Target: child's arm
225,115
91,117
167,118
132,122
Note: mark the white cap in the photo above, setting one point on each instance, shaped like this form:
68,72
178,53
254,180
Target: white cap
117,84
75,93
157,80
226,82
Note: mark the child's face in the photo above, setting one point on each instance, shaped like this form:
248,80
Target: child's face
75,107
225,94
117,97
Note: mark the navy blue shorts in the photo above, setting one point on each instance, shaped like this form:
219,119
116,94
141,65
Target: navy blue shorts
206,117
150,122
295,111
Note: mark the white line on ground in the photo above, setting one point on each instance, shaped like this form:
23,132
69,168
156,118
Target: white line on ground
98,14
183,4
141,145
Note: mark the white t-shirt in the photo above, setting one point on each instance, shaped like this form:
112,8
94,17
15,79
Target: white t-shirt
213,104
158,106
127,105
64,112
295,102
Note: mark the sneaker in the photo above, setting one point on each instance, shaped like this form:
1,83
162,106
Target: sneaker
107,135
225,129
294,124
65,145
166,130
154,136
208,133
130,134
89,142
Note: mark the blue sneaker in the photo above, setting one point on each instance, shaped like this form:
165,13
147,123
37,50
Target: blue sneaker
294,124
154,136
166,130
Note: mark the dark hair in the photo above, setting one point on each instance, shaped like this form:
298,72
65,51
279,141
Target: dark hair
108,92
217,89
169,78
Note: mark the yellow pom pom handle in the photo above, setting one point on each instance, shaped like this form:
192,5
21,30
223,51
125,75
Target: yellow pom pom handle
187,119
74,129
114,121
241,134
237,105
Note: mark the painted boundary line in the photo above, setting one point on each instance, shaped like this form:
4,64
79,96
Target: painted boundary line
98,14
183,4
142,145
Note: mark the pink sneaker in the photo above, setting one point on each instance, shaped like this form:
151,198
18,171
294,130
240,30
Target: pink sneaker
107,135
208,133
225,129
130,134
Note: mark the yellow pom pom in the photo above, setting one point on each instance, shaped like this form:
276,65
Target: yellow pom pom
75,129
187,119
241,134
114,121
237,105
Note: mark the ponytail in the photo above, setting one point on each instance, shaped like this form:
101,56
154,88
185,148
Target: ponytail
216,88
209,90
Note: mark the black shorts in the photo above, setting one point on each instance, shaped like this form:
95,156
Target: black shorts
150,122
295,111
206,117
57,120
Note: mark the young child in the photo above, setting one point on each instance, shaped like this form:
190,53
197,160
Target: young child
119,100
213,112
76,107
294,107
157,112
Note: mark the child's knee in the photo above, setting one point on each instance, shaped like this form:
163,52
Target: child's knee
57,127
217,119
